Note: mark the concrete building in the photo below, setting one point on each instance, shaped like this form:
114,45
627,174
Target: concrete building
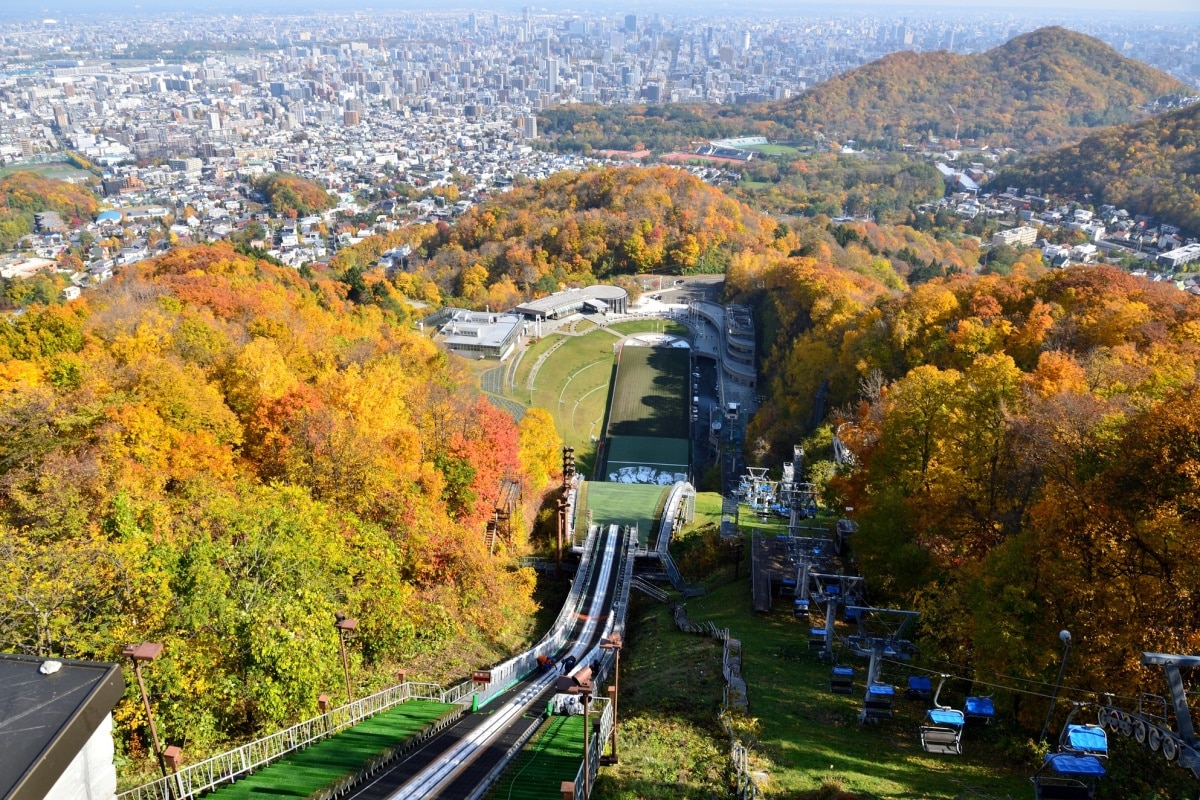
600,299
1023,236
478,334
56,728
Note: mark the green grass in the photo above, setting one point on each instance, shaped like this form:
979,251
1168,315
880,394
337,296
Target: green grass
708,511
671,455
623,504
572,385
553,756
307,771
669,743
58,169
809,735
649,326
649,396
775,149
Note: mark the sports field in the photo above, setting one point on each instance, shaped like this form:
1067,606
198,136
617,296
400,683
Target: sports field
649,394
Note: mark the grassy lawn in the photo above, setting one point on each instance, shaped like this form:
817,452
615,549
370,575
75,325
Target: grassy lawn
668,740
58,169
572,384
527,361
775,149
809,735
649,326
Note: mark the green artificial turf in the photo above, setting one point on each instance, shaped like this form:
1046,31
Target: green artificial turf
554,756
306,771
624,504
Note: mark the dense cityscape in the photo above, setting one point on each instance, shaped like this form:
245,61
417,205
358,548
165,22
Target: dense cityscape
179,113
524,403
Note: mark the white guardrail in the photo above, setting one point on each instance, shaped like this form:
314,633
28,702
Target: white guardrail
206,775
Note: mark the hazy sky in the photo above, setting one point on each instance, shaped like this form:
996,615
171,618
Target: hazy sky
1032,8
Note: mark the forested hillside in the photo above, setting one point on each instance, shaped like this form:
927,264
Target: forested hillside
22,194
293,196
1027,454
1041,89
1150,167
580,227
218,454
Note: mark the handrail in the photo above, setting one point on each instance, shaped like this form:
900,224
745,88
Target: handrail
206,775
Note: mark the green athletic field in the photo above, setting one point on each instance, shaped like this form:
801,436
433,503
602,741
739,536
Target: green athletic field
307,771
649,395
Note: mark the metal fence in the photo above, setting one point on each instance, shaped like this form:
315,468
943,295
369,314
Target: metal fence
595,749
223,768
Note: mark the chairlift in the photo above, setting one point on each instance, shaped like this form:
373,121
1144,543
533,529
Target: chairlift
942,732
920,687
841,679
816,639
878,703
1085,739
980,710
1067,776
800,608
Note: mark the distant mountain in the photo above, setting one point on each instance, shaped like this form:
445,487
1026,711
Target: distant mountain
1149,167
1042,89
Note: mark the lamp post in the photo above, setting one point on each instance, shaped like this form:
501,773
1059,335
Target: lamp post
614,644
139,653
1065,635
344,625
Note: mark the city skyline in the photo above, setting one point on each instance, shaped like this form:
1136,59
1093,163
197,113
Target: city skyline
779,9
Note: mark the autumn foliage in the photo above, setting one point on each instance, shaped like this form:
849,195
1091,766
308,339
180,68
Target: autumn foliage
1042,88
1147,167
584,226
1026,450
216,453
293,196
22,194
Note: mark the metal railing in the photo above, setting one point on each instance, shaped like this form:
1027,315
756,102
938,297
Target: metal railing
595,749
206,775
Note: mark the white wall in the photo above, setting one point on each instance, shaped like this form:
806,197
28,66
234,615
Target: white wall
92,775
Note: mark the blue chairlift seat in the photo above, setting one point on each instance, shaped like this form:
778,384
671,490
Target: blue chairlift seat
1067,776
920,687
942,732
841,680
879,702
980,709
1090,740
816,639
800,608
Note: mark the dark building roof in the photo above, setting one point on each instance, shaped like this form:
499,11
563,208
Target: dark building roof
45,720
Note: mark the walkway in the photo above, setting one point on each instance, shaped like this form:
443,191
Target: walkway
339,757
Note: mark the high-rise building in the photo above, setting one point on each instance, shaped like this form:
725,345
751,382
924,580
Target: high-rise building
351,118
631,23
552,75
529,126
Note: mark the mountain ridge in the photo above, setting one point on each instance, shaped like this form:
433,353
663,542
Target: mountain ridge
1038,89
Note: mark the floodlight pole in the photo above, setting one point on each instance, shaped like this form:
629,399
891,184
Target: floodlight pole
344,624
147,651
1065,635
